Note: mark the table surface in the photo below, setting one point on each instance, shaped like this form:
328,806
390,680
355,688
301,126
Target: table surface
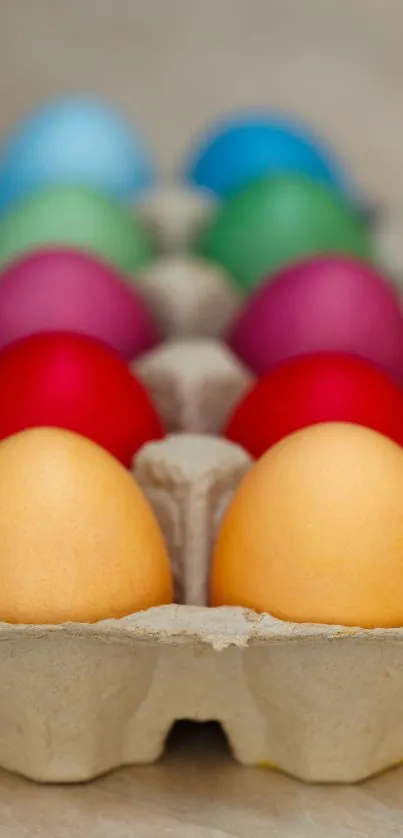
171,66
198,791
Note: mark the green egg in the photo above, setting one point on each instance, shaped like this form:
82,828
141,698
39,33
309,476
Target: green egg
79,217
276,220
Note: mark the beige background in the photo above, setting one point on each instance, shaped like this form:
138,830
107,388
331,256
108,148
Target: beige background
172,64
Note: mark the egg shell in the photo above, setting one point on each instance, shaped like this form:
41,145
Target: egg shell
237,150
312,389
74,139
66,290
77,216
315,531
277,220
329,304
74,382
79,541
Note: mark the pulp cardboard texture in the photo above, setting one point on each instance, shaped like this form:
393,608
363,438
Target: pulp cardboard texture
388,243
323,703
189,297
174,214
195,383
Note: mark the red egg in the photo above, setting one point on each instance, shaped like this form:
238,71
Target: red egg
313,389
74,382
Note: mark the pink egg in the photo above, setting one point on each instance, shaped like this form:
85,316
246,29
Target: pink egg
328,304
65,290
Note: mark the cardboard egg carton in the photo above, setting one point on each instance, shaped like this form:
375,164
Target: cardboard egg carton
322,703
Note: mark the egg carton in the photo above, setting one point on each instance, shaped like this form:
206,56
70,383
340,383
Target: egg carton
388,240
322,703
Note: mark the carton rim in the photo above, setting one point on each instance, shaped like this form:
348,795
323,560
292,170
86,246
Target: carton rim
219,628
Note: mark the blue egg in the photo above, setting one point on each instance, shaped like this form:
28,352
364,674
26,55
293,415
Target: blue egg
78,139
244,148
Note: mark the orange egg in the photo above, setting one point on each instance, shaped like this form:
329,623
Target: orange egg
78,539
315,531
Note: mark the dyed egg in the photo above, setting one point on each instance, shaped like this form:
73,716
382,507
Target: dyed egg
79,217
314,533
73,382
79,540
70,291
77,139
242,148
323,305
313,389
277,220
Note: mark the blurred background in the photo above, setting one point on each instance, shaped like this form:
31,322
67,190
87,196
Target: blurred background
174,64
